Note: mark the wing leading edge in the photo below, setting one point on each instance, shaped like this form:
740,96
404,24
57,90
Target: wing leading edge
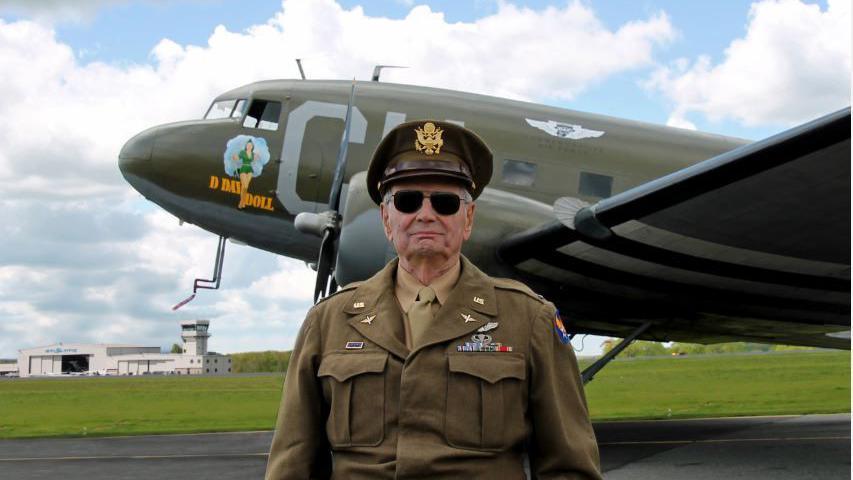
751,245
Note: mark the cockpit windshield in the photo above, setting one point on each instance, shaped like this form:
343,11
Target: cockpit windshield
226,109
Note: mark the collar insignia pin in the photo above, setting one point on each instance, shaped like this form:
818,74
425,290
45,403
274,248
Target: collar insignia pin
358,305
369,319
468,318
479,300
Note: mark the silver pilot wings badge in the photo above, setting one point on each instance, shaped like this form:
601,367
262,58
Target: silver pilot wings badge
564,130
488,326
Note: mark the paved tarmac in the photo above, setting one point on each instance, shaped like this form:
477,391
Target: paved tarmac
778,448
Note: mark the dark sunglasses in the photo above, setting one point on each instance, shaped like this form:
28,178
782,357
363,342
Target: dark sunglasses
410,201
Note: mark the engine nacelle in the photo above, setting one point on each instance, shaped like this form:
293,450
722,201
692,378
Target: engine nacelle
362,247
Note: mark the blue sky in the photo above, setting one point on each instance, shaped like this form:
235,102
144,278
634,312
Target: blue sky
125,32
87,259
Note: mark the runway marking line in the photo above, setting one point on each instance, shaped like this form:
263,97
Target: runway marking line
720,440
152,435
264,454
736,417
133,457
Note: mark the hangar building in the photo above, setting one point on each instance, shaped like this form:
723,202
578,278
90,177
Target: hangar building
8,366
120,359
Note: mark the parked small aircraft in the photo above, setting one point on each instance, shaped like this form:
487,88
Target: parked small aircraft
634,230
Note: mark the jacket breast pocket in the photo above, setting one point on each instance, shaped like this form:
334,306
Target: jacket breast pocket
356,382
485,402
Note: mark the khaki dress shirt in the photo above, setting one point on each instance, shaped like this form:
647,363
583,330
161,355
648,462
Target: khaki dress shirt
406,289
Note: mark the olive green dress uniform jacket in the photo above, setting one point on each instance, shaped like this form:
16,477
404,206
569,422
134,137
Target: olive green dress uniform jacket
377,410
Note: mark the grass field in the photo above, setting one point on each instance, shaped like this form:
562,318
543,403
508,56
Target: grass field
722,385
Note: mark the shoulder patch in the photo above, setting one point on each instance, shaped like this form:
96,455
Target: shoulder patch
560,329
510,284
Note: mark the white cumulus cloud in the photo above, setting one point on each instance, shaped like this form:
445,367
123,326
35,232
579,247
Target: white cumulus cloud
792,65
553,53
83,261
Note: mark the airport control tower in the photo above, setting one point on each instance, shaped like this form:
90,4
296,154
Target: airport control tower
194,334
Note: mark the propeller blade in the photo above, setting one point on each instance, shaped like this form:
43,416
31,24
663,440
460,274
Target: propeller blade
324,264
328,250
340,167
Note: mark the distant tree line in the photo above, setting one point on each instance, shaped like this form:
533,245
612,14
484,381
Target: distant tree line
268,361
643,348
277,361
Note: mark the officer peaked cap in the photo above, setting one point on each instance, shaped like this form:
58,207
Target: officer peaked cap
429,148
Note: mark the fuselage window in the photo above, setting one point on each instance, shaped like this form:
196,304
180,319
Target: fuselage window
595,185
516,172
220,109
263,114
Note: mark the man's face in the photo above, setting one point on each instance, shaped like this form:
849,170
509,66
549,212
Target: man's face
425,233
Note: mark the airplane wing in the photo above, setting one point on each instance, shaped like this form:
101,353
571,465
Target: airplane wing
751,245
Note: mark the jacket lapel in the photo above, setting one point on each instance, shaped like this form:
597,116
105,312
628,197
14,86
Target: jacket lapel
374,311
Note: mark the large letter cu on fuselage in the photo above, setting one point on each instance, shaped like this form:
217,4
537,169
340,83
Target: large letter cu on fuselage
291,151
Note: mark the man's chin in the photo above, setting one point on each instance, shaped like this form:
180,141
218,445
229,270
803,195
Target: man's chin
427,252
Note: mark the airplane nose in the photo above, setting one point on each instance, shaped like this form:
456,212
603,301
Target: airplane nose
136,153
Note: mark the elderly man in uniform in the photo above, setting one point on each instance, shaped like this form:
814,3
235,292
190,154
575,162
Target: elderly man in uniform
431,368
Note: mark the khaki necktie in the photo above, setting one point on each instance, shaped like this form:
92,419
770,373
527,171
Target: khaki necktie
420,315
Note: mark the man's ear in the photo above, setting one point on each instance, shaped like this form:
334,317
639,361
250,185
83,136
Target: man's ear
469,220
386,221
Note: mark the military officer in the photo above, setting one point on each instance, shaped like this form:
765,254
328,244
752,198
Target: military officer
431,368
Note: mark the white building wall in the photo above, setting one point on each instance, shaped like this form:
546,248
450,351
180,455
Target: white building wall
217,365
44,365
120,360
7,367
34,366
130,350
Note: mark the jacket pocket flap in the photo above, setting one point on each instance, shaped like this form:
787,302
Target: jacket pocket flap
491,368
342,366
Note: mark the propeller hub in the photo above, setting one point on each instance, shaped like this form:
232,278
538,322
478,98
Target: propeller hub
317,223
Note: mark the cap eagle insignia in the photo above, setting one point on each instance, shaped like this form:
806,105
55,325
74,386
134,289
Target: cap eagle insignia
429,139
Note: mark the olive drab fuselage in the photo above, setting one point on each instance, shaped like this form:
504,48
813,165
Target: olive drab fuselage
202,170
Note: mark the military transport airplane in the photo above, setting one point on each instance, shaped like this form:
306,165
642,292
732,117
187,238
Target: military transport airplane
634,230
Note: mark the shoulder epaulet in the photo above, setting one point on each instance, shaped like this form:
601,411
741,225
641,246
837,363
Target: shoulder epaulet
510,284
346,288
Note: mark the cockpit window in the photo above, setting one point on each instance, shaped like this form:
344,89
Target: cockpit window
220,109
263,114
239,108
